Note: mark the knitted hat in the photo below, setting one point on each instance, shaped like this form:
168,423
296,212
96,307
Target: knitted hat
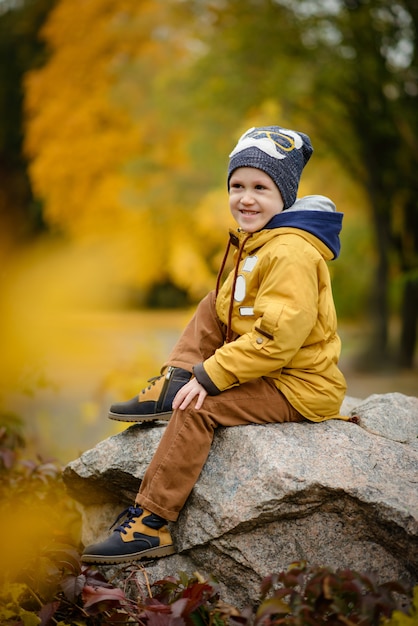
279,152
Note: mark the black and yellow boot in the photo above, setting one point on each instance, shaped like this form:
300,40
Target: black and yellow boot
154,402
142,535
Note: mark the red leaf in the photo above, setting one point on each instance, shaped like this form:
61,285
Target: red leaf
178,607
72,586
153,605
93,596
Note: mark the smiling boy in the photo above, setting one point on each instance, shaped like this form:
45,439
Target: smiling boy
262,348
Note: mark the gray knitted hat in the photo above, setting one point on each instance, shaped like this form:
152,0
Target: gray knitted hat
279,152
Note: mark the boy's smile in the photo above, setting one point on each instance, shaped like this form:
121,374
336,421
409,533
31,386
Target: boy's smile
254,198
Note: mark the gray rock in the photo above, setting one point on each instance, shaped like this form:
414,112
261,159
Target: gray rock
334,493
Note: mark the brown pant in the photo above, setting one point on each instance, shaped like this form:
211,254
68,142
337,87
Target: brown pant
186,442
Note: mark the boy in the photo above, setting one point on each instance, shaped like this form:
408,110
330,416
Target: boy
263,348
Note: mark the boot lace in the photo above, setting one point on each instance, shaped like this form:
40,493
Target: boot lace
131,514
152,380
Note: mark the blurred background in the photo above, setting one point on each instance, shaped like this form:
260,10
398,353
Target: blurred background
116,121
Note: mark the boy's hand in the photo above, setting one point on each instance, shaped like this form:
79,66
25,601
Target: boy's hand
186,394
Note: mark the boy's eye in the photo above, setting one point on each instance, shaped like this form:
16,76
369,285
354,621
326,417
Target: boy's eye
259,187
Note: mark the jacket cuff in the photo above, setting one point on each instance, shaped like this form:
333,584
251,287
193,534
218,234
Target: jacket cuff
204,380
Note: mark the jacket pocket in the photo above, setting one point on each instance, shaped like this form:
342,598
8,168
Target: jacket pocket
265,327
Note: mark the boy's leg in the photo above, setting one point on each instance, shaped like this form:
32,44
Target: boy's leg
201,337
185,445
199,340
177,463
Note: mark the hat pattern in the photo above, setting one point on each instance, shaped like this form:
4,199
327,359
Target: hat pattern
279,152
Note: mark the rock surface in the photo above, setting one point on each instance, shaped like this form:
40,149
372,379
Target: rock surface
334,493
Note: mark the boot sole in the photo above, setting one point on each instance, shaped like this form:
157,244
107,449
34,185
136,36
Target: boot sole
140,418
152,553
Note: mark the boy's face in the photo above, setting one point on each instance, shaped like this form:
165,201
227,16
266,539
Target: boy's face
253,198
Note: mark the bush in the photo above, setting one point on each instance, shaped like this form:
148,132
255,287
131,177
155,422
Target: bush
317,595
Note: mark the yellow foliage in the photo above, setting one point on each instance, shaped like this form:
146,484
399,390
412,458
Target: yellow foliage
213,218
188,268
98,150
20,541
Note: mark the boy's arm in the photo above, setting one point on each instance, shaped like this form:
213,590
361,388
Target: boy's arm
288,301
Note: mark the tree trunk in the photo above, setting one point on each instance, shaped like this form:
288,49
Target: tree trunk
409,323
408,255
376,353
380,313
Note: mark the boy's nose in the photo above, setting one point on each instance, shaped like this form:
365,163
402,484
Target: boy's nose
247,198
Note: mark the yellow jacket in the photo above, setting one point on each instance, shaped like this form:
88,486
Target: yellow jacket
284,320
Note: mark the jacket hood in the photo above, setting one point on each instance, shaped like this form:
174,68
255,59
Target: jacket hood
316,215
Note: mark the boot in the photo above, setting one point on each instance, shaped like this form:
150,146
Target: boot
154,402
143,535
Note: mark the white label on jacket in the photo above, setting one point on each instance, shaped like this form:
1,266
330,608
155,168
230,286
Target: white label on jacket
246,310
249,264
240,289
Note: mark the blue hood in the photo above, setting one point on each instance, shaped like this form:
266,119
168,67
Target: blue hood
316,215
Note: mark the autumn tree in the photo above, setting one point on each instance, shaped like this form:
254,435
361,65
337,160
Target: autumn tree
97,146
